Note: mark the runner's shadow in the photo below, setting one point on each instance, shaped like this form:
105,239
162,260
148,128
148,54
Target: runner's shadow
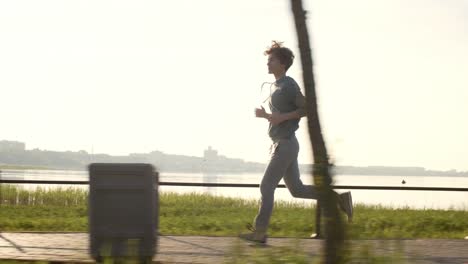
193,244
13,244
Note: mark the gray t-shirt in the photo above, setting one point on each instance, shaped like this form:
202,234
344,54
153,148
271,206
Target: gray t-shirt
286,97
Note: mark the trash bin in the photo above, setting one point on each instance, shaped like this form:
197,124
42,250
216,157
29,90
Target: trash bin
123,210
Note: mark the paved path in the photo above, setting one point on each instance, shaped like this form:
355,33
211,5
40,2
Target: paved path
73,247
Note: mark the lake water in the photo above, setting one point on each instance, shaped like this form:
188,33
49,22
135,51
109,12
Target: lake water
396,199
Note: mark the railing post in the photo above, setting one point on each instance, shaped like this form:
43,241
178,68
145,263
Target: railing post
1,195
318,218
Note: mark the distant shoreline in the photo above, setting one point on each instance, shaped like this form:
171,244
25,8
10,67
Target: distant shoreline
340,171
24,167
14,155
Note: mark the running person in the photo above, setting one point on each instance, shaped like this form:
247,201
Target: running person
287,106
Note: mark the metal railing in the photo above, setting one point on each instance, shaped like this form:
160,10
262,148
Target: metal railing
251,185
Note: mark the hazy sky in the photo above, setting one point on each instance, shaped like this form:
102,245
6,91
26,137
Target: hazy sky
123,77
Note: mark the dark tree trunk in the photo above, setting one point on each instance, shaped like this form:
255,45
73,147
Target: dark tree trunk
334,231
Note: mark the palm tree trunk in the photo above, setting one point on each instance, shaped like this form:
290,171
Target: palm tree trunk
334,231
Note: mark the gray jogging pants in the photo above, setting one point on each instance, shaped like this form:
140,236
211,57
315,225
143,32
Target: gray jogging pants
283,164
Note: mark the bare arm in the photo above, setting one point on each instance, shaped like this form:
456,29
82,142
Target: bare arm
276,118
261,113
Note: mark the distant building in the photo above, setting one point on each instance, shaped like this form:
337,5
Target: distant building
213,162
12,146
210,154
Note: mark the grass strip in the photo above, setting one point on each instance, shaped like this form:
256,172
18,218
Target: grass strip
202,214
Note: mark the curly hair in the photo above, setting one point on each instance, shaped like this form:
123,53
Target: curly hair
285,55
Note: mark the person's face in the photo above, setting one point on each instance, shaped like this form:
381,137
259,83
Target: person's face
274,64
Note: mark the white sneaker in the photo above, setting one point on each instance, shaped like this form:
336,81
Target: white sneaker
254,236
346,204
